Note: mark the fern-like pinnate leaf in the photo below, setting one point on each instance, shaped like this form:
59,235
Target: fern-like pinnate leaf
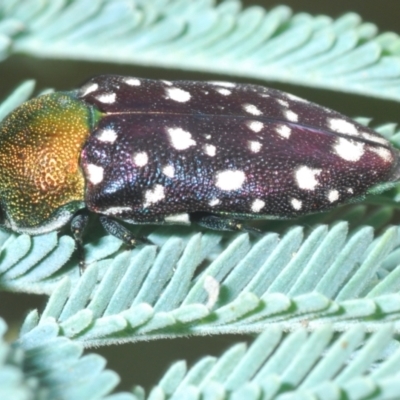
345,54
277,365
320,365
41,365
327,276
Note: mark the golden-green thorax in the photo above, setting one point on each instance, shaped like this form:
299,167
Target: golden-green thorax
41,183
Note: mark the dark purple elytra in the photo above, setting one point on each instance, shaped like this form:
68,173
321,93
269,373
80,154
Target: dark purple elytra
164,150
152,152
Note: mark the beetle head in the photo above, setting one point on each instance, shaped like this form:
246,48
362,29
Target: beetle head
41,184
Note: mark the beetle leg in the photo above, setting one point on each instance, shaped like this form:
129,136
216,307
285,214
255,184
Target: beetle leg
216,222
116,229
78,225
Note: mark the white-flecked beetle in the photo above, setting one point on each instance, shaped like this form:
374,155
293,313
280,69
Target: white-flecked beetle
154,152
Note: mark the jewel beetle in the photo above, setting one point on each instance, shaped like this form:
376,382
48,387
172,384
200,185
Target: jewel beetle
155,152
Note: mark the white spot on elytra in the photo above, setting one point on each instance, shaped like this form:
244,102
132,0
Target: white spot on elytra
382,152
257,205
251,109
167,83
350,190
180,95
230,179
177,219
333,195
154,195
283,103
180,139
254,146
107,135
132,81
210,150
296,204
89,89
140,159
95,173
116,210
342,126
291,116
255,126
225,84
223,91
349,150
305,177
214,202
107,98
284,131
169,171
